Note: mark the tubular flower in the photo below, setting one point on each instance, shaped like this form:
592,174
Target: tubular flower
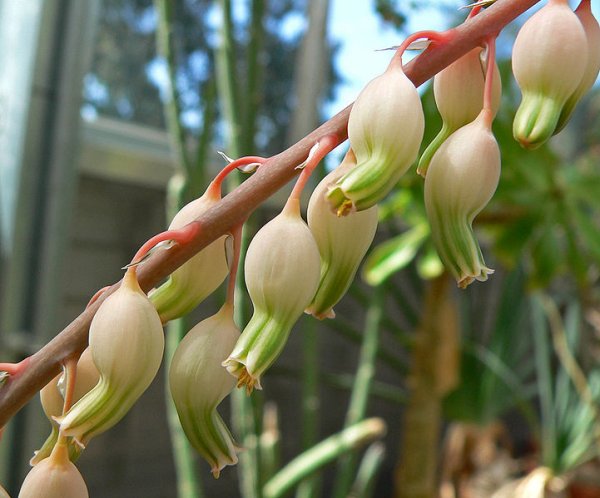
54,477
592,34
462,177
342,241
52,398
385,129
550,56
127,342
199,383
282,274
199,277
458,91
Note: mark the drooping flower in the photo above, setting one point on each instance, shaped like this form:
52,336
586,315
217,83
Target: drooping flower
342,241
385,130
282,274
199,383
199,277
592,34
549,60
52,398
462,177
127,342
458,91
54,477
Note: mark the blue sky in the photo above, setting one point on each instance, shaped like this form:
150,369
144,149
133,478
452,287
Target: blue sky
362,35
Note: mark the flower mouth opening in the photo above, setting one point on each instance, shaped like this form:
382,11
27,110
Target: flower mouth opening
244,378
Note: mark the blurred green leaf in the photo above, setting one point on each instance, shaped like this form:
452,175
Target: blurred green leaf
394,254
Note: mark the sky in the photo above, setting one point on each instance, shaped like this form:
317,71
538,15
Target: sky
362,35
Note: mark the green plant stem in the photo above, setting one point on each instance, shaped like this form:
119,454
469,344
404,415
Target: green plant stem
227,79
361,390
310,400
397,333
188,482
370,465
345,382
253,94
166,49
544,376
345,328
323,453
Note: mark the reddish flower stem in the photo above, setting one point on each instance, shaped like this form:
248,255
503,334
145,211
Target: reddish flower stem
317,153
237,205
489,80
237,248
215,186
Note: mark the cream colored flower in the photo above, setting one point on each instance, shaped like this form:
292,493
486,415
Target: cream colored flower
550,56
282,274
199,383
54,477
199,277
127,343
458,91
592,34
52,398
342,241
385,130
462,177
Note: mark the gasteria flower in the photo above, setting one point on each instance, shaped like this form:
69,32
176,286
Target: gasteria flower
199,383
342,241
462,177
54,477
458,91
549,60
592,34
282,274
385,129
127,342
199,277
52,398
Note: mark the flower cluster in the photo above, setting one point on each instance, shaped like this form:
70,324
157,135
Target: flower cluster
292,266
556,58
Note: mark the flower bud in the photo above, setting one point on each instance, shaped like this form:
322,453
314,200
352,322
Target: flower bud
385,129
199,383
282,274
592,34
127,342
199,277
462,177
52,398
54,477
550,56
342,241
458,90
